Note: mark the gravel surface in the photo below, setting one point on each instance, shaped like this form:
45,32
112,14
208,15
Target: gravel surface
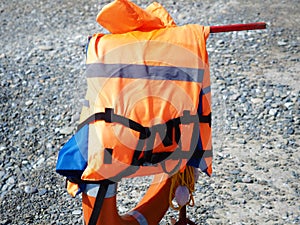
255,86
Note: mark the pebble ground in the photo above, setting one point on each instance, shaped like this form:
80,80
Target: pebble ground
255,86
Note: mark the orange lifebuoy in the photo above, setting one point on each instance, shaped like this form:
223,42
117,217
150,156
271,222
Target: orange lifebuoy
149,211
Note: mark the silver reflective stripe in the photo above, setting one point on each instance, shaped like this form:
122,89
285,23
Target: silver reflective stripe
92,190
139,217
138,71
206,90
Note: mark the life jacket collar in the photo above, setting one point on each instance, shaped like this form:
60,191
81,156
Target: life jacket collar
122,16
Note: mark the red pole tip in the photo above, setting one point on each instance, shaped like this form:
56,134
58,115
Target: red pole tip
238,27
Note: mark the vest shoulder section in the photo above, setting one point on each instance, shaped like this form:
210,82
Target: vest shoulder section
139,44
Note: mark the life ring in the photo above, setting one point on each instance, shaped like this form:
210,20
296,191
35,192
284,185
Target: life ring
149,211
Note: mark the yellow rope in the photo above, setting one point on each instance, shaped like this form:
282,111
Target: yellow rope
185,178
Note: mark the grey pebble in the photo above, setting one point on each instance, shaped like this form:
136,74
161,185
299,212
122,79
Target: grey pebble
273,112
1,174
11,180
30,190
290,130
42,191
29,102
77,212
247,180
66,130
282,43
45,47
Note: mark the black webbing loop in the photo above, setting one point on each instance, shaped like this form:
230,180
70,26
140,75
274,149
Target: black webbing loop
168,132
172,171
98,203
138,151
110,117
168,140
92,119
205,119
177,131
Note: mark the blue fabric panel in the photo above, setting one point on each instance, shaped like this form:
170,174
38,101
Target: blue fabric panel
73,155
199,162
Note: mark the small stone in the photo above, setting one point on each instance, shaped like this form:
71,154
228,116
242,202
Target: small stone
235,172
4,188
28,72
57,117
288,104
268,146
45,47
256,100
77,212
45,77
242,141
66,130
49,146
182,16
247,180
220,42
243,201
31,130
290,130
282,43
269,94
273,112
39,162
268,206
42,191
263,182
2,173
235,97
28,103
11,180
30,190
24,162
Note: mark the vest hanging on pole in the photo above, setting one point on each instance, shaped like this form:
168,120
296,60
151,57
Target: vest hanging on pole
148,103
147,111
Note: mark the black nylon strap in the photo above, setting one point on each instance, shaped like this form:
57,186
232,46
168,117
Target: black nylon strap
138,151
110,117
205,119
109,113
168,140
92,119
98,203
166,132
204,153
172,171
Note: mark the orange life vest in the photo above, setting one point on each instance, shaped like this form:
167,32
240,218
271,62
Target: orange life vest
148,103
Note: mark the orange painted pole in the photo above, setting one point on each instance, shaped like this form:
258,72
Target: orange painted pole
238,27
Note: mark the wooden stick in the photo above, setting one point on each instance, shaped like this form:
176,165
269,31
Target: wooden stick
183,220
